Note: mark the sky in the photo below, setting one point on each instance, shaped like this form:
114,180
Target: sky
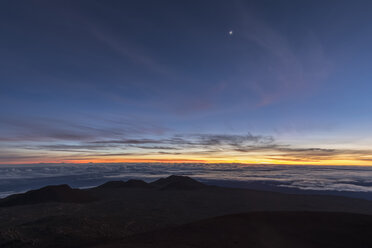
256,82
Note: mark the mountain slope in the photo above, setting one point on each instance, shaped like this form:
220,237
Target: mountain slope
58,193
262,230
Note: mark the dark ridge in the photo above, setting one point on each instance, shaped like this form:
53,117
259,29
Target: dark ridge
57,193
112,184
132,183
178,182
262,230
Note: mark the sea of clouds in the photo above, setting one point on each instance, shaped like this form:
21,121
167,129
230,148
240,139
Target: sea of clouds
20,178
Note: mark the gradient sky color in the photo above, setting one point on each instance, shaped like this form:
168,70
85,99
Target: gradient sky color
116,81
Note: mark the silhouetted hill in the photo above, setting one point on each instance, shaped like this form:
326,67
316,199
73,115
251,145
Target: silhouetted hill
121,212
58,193
112,185
132,183
262,230
178,182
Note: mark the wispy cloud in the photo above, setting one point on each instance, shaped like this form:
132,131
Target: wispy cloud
60,140
49,129
67,141
128,50
285,70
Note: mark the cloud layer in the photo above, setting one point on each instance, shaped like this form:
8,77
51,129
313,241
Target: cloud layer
334,178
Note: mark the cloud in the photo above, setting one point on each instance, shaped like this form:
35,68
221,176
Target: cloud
37,129
157,147
70,148
283,69
287,153
129,141
130,51
55,140
233,140
11,157
194,141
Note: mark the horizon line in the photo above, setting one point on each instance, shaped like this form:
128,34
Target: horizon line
150,161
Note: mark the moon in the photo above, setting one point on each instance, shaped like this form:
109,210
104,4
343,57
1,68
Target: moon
231,32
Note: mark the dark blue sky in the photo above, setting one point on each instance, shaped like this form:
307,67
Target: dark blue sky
165,80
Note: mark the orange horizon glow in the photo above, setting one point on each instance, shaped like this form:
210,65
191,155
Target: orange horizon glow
330,162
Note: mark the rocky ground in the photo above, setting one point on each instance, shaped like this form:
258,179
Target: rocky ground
117,212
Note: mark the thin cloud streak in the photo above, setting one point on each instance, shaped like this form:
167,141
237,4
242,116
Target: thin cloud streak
48,129
286,71
224,147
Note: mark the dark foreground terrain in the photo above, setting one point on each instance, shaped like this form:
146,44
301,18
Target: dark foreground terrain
180,212
262,229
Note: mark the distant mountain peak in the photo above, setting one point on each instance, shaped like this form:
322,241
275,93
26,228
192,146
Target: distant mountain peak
132,183
112,184
137,183
178,182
